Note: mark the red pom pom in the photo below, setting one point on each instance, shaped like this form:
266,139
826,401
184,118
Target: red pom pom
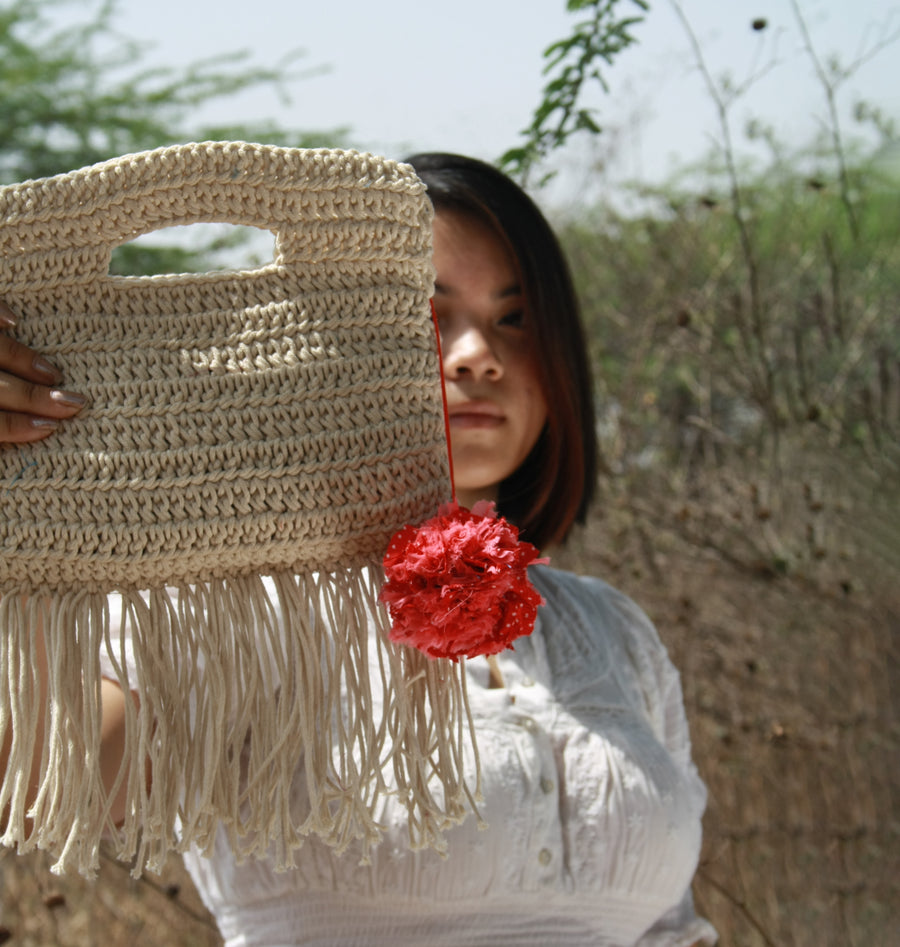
457,585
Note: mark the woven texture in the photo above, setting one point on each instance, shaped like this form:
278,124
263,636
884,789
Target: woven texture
287,416
281,421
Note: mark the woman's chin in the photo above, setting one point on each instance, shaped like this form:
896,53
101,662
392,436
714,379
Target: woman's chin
468,497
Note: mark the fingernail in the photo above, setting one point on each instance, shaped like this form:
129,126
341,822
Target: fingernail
68,398
7,317
44,424
40,364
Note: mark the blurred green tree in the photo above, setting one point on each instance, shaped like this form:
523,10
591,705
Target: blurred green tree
77,94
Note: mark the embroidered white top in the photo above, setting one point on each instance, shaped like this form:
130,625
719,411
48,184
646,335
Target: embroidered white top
592,802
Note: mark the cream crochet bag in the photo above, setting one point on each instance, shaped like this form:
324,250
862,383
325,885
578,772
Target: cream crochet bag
279,421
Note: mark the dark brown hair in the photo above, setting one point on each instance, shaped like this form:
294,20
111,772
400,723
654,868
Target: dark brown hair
555,484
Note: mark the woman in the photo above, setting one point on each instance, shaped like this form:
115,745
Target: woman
592,803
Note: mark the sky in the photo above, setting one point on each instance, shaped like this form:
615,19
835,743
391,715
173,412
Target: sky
466,75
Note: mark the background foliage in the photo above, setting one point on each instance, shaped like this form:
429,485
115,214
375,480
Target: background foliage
77,94
747,339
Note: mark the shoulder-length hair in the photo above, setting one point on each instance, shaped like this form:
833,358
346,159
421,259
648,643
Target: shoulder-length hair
555,484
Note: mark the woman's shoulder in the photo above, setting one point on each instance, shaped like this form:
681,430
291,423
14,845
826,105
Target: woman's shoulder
589,629
591,606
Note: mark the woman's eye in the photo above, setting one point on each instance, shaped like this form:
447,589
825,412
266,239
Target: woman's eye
515,319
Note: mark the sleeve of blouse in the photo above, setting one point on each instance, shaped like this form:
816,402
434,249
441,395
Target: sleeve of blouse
659,680
660,684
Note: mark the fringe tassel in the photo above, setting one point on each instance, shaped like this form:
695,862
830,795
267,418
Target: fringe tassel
236,688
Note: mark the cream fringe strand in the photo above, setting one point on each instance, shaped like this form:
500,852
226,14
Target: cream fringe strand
231,700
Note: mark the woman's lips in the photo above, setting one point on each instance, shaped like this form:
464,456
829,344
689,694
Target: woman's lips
474,416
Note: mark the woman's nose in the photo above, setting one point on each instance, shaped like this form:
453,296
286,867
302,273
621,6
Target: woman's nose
468,352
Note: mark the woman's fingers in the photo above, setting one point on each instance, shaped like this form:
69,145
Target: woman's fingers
29,411
32,402
7,316
20,394
23,428
18,359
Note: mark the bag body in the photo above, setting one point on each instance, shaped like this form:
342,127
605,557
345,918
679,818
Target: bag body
277,421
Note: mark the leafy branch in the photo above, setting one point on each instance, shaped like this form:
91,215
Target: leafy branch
572,64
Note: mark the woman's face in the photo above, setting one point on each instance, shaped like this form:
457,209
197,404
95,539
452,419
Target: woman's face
496,407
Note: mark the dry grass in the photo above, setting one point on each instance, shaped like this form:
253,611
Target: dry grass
788,686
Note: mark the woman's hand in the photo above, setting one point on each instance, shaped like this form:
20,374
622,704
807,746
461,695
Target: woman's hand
31,402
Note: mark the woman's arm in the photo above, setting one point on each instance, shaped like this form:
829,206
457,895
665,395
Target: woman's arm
32,403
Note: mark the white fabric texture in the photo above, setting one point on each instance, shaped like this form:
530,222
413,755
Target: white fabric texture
592,806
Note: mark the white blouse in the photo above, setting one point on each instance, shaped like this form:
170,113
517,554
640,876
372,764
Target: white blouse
592,802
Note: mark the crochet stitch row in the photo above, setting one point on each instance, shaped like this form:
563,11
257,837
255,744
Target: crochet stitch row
283,416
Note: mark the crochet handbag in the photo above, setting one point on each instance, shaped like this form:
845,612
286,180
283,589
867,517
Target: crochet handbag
252,440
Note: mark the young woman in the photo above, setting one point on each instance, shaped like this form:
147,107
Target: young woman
592,802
